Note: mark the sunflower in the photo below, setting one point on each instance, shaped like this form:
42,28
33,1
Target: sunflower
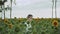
0,20
6,21
10,26
55,23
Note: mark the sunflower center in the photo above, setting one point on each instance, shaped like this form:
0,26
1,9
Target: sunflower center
55,23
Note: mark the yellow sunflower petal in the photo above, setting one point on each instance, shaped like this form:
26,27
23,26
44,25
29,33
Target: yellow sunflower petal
55,23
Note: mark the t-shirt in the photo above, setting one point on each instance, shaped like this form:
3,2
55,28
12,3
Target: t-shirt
28,26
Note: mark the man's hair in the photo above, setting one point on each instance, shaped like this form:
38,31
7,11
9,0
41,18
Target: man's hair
30,15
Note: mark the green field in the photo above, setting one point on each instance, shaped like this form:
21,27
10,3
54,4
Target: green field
39,26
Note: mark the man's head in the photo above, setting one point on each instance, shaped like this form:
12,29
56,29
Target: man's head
29,17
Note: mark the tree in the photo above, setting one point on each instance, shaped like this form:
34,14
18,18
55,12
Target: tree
11,7
2,4
0,11
54,3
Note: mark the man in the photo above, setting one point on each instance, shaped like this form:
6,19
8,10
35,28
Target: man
28,24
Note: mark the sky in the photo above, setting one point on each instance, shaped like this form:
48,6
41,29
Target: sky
38,8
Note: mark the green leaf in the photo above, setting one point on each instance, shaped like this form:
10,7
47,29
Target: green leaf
0,11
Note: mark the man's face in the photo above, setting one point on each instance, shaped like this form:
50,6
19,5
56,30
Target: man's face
30,18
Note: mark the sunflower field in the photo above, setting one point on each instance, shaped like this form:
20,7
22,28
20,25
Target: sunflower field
39,26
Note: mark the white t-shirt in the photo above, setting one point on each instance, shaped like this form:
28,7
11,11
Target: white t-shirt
28,26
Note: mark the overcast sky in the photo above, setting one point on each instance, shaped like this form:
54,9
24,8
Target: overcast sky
38,8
